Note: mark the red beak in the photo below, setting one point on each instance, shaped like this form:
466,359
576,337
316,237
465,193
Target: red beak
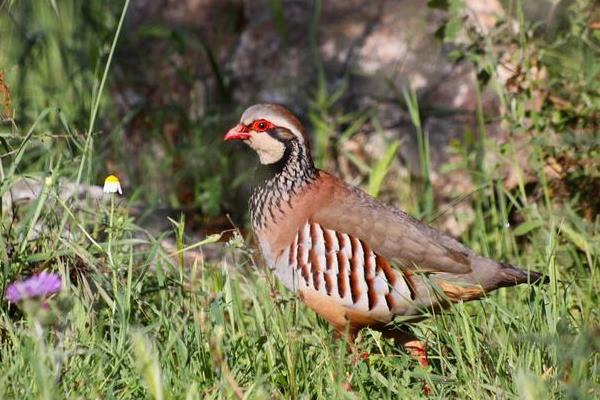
239,132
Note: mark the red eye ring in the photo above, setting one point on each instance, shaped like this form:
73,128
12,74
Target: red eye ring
262,125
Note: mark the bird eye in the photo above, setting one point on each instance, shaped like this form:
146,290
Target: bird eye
262,125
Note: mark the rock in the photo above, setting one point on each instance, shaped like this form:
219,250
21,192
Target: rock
275,51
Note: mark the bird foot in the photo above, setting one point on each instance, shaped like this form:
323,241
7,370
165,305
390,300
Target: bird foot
418,350
347,386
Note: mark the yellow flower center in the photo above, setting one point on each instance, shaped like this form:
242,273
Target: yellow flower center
111,179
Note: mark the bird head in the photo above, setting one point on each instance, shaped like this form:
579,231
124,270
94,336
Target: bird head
268,129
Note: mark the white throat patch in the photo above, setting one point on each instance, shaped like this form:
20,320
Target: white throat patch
269,150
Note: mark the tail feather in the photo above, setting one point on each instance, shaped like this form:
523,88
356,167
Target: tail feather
511,275
488,275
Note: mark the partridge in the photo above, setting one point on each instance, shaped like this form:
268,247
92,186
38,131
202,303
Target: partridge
355,261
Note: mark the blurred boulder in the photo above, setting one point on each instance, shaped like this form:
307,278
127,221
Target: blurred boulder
203,57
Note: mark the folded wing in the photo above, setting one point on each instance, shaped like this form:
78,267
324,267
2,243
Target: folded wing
405,241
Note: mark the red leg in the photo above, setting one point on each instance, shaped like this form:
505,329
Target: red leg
417,348
350,334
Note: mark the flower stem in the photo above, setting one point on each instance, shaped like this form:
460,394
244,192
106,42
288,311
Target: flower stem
111,261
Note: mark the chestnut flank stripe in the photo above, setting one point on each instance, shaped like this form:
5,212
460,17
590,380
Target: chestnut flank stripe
369,275
315,267
302,264
390,277
342,261
330,240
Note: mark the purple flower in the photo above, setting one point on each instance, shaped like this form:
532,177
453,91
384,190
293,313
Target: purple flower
41,285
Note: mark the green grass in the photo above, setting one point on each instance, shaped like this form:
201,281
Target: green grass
138,321
135,322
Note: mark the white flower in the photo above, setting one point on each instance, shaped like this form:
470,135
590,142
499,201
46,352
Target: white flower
112,185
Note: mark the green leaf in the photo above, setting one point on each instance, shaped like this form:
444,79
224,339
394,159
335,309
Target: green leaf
379,171
438,4
527,227
577,239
